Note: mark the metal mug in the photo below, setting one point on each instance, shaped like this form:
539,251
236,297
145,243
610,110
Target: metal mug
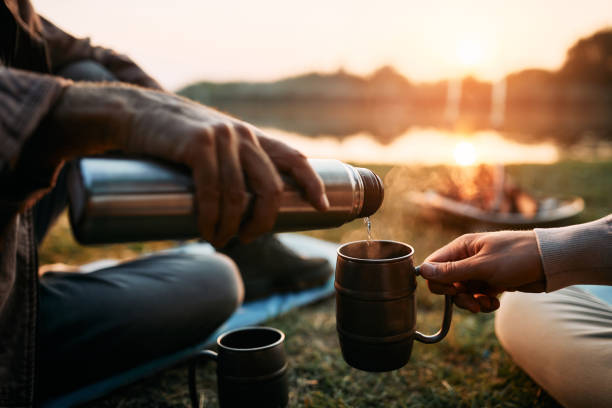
376,305
251,369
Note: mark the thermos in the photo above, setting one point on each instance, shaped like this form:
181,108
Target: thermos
125,199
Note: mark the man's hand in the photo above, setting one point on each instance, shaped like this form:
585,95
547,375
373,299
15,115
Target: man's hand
226,155
478,267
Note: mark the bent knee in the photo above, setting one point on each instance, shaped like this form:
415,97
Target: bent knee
87,70
508,316
561,340
203,292
522,320
218,278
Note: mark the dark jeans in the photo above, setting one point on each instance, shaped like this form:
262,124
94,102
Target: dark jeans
101,323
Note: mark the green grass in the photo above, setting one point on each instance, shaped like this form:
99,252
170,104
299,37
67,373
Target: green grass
468,369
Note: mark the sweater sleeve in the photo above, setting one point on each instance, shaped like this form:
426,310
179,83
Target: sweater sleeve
25,100
578,254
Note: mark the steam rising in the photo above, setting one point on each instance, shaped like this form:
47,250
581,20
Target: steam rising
397,219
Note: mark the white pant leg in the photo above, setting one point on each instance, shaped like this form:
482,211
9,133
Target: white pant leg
563,341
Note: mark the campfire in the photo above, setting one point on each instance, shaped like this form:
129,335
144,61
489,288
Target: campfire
488,188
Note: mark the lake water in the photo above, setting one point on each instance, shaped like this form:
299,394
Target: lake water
391,134
431,146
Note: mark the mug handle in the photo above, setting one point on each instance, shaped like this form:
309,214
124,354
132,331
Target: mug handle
193,390
446,321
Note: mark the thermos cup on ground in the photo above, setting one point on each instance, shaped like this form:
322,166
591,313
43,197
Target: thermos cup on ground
124,199
251,369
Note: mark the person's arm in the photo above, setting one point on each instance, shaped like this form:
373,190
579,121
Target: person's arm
477,267
65,49
224,153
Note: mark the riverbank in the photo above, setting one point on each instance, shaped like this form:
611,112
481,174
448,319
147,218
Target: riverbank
468,368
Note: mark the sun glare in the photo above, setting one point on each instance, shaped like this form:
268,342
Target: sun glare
470,52
465,154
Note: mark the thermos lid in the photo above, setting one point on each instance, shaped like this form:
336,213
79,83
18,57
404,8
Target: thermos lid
373,192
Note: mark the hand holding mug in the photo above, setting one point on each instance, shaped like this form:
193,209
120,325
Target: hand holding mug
475,268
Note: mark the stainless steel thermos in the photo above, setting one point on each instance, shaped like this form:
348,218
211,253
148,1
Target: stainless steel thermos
125,199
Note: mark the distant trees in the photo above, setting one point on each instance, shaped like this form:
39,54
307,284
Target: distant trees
584,78
475,94
584,81
562,103
589,61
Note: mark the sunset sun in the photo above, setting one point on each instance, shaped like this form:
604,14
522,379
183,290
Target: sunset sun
470,52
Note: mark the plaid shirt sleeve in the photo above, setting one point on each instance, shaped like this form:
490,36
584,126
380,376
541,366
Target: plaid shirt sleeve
25,99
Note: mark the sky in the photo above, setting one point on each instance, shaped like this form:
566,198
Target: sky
183,41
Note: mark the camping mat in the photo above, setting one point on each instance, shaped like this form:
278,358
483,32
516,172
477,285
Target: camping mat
249,313
601,292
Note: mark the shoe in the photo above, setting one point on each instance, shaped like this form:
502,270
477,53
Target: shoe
268,266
